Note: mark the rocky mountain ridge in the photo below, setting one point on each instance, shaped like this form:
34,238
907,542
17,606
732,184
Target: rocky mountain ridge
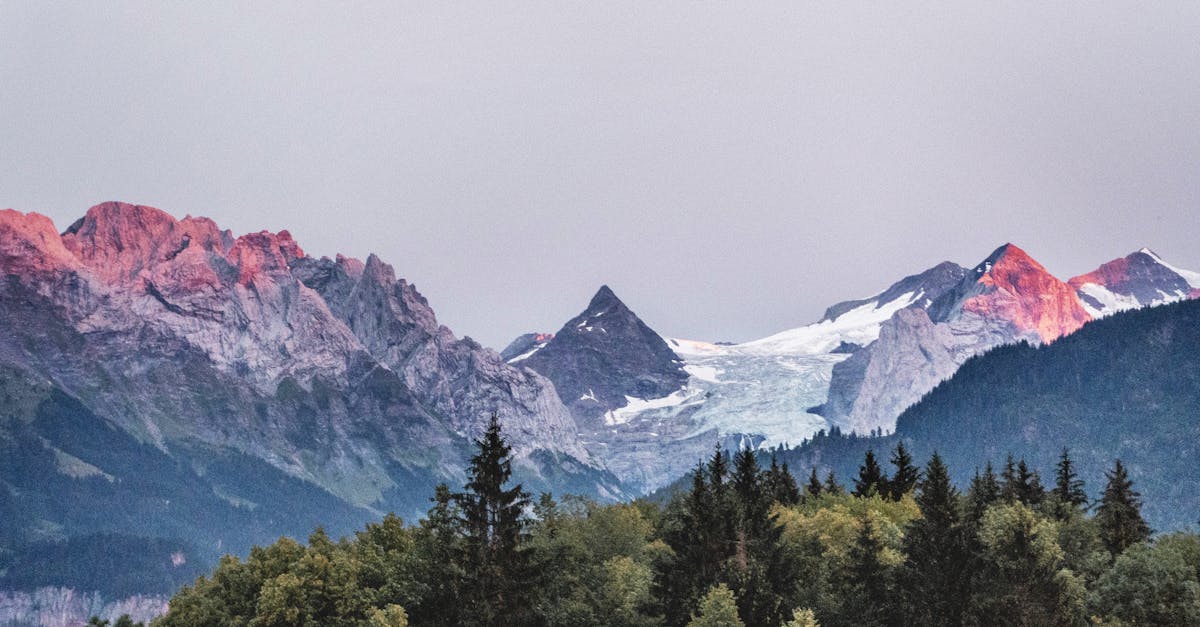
333,371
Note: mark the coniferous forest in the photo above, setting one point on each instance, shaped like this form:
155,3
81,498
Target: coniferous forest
744,544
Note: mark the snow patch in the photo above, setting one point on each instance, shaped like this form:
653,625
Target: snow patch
527,354
634,406
704,373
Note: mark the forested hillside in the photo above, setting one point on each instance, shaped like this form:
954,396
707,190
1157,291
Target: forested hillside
1126,386
743,545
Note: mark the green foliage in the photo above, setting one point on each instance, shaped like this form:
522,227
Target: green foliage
871,479
1068,487
726,552
905,478
1153,584
718,608
1119,513
935,573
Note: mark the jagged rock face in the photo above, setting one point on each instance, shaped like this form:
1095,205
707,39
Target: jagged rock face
603,357
1010,287
1008,297
333,371
924,288
458,379
1136,280
524,346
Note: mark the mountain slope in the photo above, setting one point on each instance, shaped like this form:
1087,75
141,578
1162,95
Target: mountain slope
1138,279
606,359
1126,386
224,354
755,393
1007,297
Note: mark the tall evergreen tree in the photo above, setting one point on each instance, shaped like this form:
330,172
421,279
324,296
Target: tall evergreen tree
752,502
871,480
493,521
868,601
440,551
758,570
1029,485
1119,514
813,488
984,491
1008,481
699,537
781,485
905,478
832,486
935,571
1068,487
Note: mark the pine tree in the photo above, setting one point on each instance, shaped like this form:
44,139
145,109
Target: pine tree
752,503
1119,514
869,598
1068,487
700,540
758,568
441,551
832,487
781,485
493,522
1029,485
786,490
905,478
984,491
935,571
871,480
1008,481
814,484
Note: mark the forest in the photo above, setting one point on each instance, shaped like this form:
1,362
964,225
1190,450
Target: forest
744,544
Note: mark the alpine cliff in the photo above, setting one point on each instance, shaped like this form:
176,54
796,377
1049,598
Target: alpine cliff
604,359
1123,387
214,354
1006,298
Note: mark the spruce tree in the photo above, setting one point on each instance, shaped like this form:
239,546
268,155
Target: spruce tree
752,503
814,484
935,571
786,490
868,598
871,480
780,484
905,478
1119,514
758,569
441,551
1029,488
493,522
984,491
1008,481
832,487
1068,487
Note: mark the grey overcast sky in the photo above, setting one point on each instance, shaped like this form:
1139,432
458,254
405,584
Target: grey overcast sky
730,169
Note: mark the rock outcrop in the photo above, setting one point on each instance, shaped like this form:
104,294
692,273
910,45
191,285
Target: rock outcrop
333,371
1137,280
1006,298
603,358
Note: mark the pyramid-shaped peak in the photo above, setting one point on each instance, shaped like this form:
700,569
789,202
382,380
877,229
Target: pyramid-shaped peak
604,299
1008,257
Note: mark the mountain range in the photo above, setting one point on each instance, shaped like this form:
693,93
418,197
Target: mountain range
155,367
